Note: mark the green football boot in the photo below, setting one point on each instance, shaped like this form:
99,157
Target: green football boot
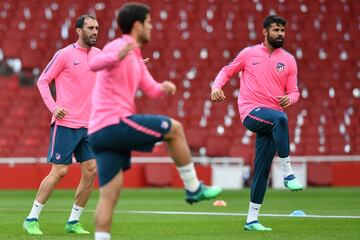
256,226
75,227
31,226
203,193
292,183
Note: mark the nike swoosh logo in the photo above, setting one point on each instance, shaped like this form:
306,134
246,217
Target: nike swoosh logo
76,63
76,209
255,63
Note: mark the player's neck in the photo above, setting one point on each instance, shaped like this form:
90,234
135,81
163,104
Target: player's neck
83,44
269,47
135,36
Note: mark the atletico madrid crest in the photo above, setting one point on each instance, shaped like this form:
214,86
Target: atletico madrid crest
280,67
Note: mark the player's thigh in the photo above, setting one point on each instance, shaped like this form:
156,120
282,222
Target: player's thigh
137,132
143,131
110,163
262,120
83,151
63,142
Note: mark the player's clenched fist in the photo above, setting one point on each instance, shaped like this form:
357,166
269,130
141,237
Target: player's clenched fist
284,101
217,95
168,87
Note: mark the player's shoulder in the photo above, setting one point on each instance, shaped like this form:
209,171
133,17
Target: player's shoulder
287,54
66,50
251,49
246,50
96,48
114,44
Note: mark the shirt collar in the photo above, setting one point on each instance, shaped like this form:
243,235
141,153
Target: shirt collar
77,45
267,50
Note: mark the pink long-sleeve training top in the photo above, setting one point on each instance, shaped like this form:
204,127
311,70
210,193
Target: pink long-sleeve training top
263,77
117,82
74,82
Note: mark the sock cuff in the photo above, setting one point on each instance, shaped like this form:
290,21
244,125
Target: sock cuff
39,204
284,158
256,205
78,207
185,168
102,236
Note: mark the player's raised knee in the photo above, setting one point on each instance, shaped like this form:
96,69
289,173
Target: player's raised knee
176,127
282,120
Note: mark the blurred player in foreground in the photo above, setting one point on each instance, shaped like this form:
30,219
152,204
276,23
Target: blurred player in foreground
115,129
268,84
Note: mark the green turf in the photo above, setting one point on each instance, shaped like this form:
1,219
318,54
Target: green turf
15,205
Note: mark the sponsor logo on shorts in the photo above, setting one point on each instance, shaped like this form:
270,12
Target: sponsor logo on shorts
57,156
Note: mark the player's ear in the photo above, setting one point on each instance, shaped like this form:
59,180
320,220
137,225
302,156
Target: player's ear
265,31
78,31
137,26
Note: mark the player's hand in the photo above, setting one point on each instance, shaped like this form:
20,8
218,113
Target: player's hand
146,60
284,101
218,95
168,87
60,113
126,50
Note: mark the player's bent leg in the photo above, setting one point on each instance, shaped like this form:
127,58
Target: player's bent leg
180,153
256,226
109,195
83,191
179,149
48,184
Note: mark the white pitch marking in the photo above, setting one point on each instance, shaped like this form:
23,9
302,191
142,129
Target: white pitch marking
235,214
196,213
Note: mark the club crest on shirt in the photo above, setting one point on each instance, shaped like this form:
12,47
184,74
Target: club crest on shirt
280,67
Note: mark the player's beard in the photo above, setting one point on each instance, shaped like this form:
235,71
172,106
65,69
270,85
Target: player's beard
274,42
90,41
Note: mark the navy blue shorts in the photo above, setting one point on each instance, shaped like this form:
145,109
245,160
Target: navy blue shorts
113,144
64,142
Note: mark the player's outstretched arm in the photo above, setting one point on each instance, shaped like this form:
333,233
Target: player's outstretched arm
109,57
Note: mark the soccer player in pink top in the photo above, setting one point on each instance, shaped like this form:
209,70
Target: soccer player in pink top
268,84
115,129
74,82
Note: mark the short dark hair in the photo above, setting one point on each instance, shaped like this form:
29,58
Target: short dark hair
273,19
80,20
129,14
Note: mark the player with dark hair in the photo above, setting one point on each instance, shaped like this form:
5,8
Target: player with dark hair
115,129
74,82
268,84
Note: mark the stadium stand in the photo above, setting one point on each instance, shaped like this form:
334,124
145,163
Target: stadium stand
191,41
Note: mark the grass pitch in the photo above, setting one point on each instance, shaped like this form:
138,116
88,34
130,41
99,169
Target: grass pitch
147,214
